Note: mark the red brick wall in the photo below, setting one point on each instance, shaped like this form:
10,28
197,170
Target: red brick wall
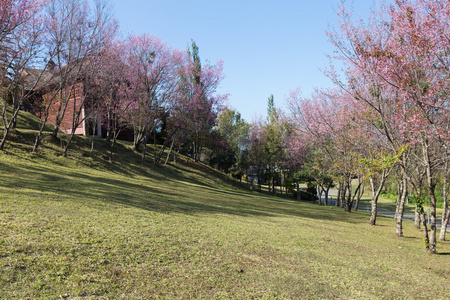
74,100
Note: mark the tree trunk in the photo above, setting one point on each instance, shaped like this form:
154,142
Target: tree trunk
14,118
357,194
319,192
108,127
274,192
196,151
111,148
168,154
326,194
338,195
425,232
5,136
164,146
66,148
376,191
299,196
445,210
175,155
7,127
91,153
94,124
416,218
154,145
144,150
348,195
400,206
444,225
343,191
374,204
37,141
138,139
360,194
42,123
431,186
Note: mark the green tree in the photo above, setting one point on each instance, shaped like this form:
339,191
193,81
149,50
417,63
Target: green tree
235,131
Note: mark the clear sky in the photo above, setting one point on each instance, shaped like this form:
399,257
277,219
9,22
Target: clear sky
268,47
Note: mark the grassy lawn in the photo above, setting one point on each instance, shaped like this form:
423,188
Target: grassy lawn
84,228
390,205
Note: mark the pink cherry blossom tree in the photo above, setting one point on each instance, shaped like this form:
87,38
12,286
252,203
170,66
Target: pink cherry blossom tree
109,92
196,104
20,44
154,77
396,64
74,32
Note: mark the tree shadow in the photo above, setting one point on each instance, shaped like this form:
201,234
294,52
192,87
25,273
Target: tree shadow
166,192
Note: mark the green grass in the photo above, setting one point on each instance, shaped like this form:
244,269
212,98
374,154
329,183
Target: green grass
85,228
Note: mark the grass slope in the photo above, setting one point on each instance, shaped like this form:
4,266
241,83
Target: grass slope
83,228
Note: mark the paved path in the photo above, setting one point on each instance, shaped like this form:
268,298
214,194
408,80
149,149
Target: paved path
387,213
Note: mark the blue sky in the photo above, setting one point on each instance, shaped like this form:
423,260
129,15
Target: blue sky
268,47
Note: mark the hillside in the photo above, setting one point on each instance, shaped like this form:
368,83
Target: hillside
85,228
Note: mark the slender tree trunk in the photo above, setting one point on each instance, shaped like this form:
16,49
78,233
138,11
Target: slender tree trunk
431,186
403,189
14,117
444,225
111,149
299,196
374,199
274,192
319,193
445,210
66,147
144,150
168,154
196,151
5,136
7,125
108,127
356,194
374,204
138,138
425,232
94,123
338,195
164,146
42,125
416,218
326,194
154,145
376,191
57,122
343,191
91,152
348,194
175,155
360,193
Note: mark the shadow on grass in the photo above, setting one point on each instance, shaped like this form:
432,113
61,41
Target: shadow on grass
166,192
187,187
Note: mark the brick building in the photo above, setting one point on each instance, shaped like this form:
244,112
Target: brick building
75,97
